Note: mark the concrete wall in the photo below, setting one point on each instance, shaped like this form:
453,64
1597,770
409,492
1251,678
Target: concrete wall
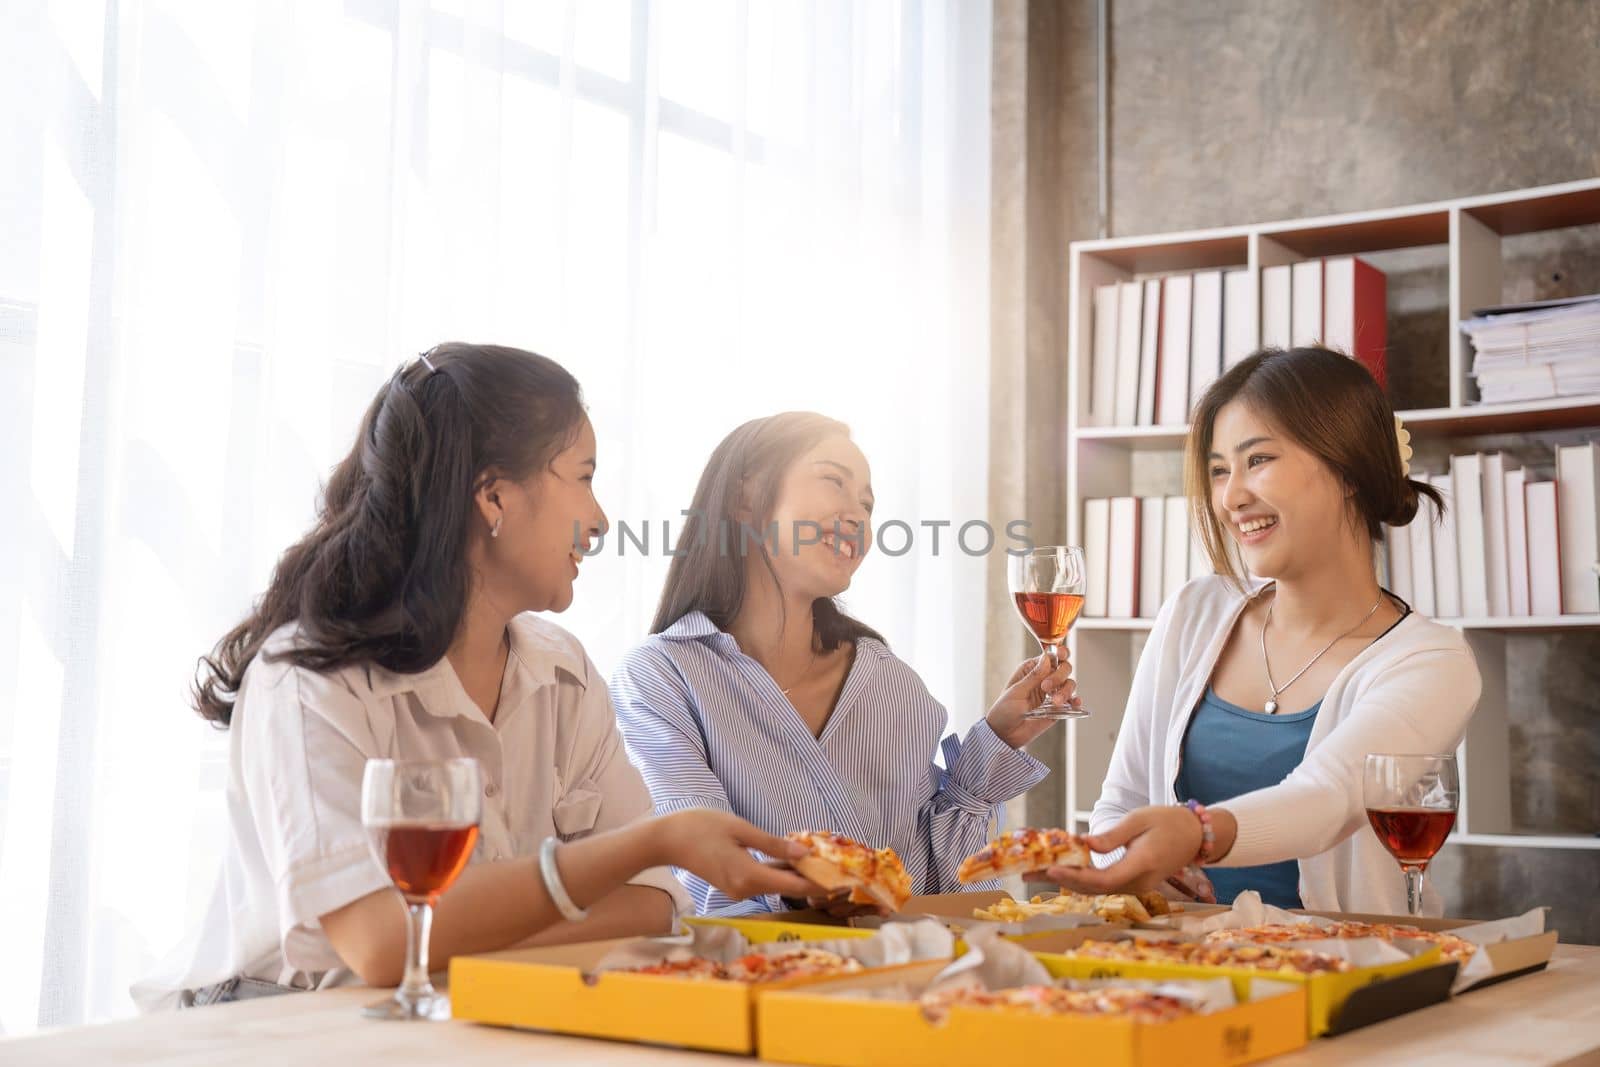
1234,111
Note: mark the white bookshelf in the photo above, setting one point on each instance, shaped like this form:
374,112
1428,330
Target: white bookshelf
1105,461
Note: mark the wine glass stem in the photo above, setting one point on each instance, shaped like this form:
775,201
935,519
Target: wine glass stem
1413,889
419,922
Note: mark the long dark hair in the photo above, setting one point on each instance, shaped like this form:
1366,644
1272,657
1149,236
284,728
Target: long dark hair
1330,405
383,576
745,472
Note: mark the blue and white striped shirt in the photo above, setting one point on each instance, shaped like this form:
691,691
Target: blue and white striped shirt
708,727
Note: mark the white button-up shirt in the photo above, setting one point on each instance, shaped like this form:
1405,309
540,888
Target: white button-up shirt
553,764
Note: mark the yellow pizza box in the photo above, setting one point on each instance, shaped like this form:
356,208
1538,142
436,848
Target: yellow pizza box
884,1033
1328,996
960,906
1026,930
557,989
953,909
923,906
1508,959
779,926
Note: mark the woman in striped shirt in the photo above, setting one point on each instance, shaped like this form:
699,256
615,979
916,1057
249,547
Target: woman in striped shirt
757,695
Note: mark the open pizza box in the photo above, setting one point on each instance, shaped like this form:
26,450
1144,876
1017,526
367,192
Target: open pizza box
1382,985
952,910
583,988
956,911
1509,947
876,1019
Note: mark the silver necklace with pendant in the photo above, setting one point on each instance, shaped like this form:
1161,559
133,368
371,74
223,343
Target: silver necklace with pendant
1272,704
809,664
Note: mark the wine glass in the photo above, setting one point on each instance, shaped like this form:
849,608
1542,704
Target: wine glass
1411,802
1048,586
422,821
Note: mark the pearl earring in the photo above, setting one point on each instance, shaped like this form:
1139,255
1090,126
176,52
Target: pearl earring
494,531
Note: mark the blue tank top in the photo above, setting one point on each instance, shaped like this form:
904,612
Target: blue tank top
1229,751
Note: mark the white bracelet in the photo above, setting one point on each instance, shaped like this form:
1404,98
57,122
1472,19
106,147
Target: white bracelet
552,883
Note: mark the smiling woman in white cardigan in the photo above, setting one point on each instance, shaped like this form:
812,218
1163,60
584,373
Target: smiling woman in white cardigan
1262,689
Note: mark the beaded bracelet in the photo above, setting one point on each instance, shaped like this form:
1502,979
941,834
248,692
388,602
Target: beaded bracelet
1208,835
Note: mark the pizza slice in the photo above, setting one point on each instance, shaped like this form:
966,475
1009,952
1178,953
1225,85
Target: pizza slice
1451,947
873,875
1021,851
794,963
693,967
1256,957
1139,1005
757,967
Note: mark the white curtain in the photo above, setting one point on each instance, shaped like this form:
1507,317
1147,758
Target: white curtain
224,222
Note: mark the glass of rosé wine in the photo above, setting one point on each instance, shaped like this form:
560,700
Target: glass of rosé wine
421,819
1048,587
1411,803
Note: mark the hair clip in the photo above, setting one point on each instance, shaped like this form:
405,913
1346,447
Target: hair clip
1403,436
426,362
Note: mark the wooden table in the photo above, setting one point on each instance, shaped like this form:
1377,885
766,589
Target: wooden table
1547,1018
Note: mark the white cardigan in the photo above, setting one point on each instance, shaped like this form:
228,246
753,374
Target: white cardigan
1411,690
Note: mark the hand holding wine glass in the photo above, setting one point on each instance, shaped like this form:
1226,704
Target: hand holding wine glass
1048,586
1411,803
422,821
1011,716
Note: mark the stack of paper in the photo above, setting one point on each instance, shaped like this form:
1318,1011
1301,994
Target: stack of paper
1537,354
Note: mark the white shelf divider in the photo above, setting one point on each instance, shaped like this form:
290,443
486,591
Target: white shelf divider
1572,841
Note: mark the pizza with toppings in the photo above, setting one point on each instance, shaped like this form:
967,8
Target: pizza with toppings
1451,947
795,963
757,967
693,967
1112,907
873,875
1137,1004
1273,958
1021,851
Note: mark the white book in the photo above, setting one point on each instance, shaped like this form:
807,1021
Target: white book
1494,533
1397,548
1096,555
1446,567
1472,562
1103,367
1130,307
1205,339
1239,324
1578,496
1421,531
1544,548
1305,323
1149,353
1122,578
1339,304
1175,547
1172,394
1152,563
1517,541
1276,301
